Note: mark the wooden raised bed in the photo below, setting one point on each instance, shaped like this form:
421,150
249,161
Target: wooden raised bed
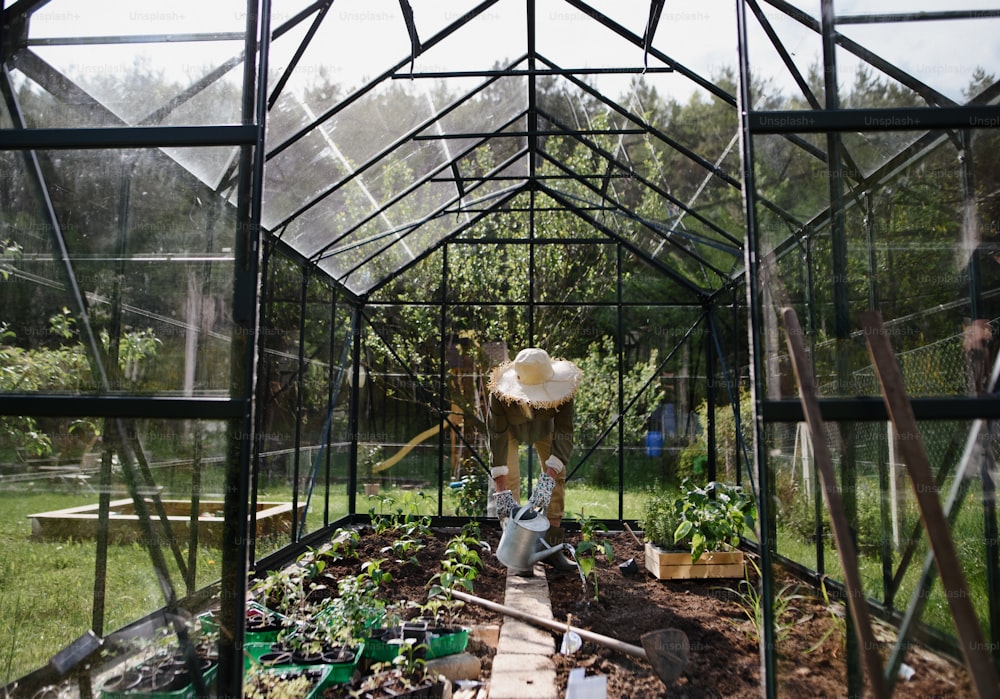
124,527
677,565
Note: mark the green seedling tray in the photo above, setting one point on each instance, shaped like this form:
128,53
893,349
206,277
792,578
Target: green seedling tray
338,673
183,693
322,682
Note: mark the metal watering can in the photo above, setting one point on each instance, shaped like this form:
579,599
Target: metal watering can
522,543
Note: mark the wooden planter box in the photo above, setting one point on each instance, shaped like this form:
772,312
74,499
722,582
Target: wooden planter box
677,565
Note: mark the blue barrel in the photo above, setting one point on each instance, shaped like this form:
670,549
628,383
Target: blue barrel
654,443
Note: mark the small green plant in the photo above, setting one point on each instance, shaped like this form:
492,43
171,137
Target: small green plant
406,673
838,620
588,546
370,458
659,519
356,609
453,574
263,683
473,494
464,548
440,610
373,571
712,518
404,550
382,521
343,545
749,597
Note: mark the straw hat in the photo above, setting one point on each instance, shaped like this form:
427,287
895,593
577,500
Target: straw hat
535,379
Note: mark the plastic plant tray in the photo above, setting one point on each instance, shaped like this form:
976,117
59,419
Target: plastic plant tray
437,646
187,692
323,673
338,672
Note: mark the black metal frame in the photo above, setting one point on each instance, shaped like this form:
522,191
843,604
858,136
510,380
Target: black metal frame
247,175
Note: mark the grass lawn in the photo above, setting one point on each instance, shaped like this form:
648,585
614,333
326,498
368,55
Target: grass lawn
47,588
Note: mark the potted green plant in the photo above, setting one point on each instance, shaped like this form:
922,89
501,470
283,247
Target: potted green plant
405,677
695,534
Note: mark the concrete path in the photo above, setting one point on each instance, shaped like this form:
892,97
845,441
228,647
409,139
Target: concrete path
523,664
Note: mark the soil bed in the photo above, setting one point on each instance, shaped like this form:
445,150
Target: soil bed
724,658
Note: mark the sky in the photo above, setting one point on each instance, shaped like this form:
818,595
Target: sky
362,38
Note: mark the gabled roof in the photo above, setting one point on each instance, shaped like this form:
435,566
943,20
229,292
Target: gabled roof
465,112
395,125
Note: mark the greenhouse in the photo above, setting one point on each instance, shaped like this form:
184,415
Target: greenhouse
270,271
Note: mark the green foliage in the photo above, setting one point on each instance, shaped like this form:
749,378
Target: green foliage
401,517
728,440
474,494
748,596
61,367
589,546
597,395
369,458
453,574
838,621
268,683
10,254
404,549
709,518
372,569
659,519
463,548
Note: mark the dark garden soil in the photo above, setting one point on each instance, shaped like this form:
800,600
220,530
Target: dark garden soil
724,657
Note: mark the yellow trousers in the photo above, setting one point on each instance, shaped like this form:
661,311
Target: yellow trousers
557,505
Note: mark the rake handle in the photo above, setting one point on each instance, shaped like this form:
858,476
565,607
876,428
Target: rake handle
552,624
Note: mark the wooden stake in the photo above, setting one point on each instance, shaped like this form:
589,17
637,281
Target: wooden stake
857,602
974,648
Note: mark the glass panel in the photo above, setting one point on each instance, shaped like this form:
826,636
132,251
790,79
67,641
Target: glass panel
556,23
149,250
50,518
65,18
493,38
949,67
322,379
142,64
878,489
914,250
422,281
486,274
279,462
954,52
403,440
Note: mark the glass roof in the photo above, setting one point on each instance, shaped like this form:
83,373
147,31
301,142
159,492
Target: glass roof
394,126
453,114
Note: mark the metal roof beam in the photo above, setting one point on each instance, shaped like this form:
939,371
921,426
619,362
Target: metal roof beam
633,175
413,187
628,245
358,94
695,257
473,221
927,92
639,42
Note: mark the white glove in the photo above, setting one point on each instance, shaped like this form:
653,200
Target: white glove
542,493
505,503
555,463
